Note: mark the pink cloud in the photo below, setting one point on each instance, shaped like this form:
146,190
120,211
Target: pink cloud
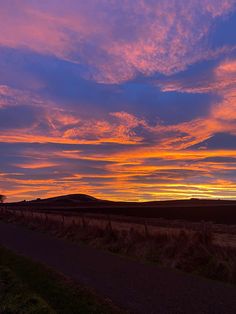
127,37
222,115
57,125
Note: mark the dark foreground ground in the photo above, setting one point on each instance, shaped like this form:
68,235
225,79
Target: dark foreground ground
28,287
141,288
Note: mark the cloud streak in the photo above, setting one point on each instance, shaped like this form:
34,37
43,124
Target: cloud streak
119,99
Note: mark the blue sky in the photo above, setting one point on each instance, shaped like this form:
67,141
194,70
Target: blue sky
131,100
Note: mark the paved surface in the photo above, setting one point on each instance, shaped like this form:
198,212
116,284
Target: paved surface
141,288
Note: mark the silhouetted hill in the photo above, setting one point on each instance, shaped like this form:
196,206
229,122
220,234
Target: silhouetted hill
71,199
218,211
78,199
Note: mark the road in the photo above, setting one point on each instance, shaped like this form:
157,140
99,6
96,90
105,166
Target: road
138,287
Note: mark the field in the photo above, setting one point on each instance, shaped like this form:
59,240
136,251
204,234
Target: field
191,210
222,235
205,249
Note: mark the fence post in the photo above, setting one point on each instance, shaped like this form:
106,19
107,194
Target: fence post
83,221
63,220
109,225
146,229
46,219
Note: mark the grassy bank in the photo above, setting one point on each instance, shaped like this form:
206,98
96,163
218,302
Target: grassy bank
27,287
16,297
190,251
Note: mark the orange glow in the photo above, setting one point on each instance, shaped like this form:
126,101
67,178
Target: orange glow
125,100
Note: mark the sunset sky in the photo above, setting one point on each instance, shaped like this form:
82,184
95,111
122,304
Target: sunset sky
119,99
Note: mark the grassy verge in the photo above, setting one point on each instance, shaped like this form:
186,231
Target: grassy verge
189,252
16,297
27,287
192,252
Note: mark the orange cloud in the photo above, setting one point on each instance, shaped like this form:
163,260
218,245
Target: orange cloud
37,165
222,115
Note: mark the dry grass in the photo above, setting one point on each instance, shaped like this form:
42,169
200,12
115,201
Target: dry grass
187,250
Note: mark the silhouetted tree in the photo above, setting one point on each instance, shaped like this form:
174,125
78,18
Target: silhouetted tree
2,198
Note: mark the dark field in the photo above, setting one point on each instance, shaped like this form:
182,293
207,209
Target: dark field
194,210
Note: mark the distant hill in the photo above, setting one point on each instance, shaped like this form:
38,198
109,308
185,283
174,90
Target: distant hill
84,199
71,199
218,211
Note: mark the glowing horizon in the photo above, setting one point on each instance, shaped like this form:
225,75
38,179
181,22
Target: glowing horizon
123,100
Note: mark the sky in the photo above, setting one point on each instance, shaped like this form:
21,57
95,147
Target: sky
119,99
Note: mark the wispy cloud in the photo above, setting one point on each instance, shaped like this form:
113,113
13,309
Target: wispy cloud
120,99
115,41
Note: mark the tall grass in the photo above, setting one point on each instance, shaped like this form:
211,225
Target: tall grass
187,250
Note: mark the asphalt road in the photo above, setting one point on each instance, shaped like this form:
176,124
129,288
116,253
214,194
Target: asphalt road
138,287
